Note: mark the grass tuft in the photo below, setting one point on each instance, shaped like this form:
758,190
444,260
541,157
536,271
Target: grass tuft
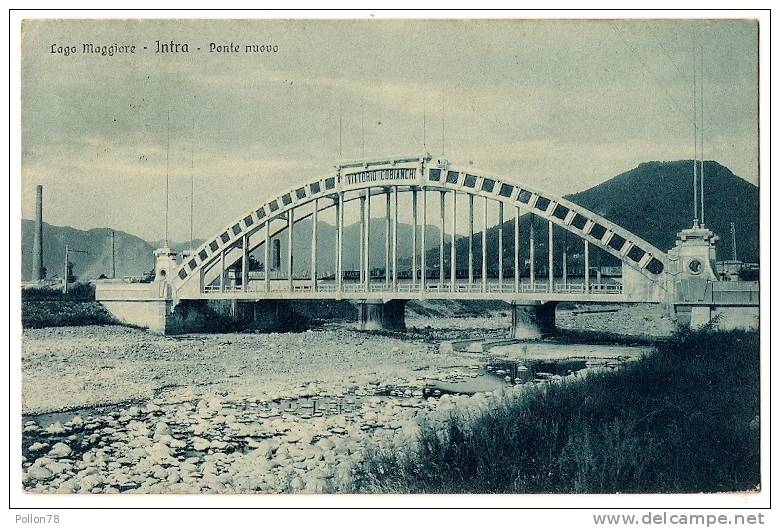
683,419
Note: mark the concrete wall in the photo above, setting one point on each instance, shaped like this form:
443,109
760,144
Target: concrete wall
723,317
736,317
151,314
379,315
637,287
119,290
532,321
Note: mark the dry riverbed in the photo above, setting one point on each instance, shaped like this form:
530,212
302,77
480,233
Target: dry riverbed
112,409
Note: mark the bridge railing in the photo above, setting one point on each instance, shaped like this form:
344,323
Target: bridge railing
508,287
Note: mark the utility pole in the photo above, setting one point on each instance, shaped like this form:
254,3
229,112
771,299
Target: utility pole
67,274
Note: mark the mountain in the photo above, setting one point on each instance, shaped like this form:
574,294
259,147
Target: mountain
178,247
326,251
652,200
133,255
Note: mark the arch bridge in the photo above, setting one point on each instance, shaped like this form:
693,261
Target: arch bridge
222,267
246,261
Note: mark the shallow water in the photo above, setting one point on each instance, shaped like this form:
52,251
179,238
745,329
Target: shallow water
106,427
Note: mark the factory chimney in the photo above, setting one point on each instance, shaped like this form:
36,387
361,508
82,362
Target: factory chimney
37,266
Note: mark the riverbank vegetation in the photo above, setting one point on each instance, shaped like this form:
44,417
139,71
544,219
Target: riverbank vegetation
683,419
47,307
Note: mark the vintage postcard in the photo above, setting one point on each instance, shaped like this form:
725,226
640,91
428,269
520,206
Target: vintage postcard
328,256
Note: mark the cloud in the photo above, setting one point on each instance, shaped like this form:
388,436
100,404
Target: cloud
563,104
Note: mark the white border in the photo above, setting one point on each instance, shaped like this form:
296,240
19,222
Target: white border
644,502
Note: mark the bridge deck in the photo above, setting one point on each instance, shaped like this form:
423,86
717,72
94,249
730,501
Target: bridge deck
460,290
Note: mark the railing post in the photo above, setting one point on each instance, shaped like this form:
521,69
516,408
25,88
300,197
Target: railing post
587,266
362,238
290,223
221,276
441,238
368,239
517,249
244,262
395,237
484,244
314,221
414,237
550,261
563,259
387,236
453,251
500,246
532,251
471,239
267,257
423,250
340,240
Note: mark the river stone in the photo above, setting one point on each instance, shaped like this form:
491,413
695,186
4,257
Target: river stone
39,473
60,450
315,485
188,467
296,484
265,449
176,444
162,429
37,446
55,428
217,444
160,473
200,444
325,444
159,451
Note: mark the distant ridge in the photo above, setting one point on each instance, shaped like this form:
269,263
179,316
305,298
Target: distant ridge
652,200
133,254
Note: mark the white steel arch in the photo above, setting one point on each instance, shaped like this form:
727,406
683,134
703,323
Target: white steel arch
414,174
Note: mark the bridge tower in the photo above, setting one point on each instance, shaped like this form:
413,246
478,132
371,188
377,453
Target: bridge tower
693,272
165,264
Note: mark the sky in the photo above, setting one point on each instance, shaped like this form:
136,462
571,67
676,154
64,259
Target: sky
558,105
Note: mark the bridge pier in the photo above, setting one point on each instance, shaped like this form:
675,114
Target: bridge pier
381,315
532,321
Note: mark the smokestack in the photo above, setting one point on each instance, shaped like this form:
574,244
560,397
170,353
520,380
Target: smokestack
277,256
37,266
113,256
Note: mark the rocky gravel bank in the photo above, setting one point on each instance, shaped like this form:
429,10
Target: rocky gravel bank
220,444
112,409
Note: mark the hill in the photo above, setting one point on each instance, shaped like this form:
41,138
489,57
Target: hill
133,255
652,200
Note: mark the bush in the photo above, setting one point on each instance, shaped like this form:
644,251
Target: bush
46,313
683,419
80,291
